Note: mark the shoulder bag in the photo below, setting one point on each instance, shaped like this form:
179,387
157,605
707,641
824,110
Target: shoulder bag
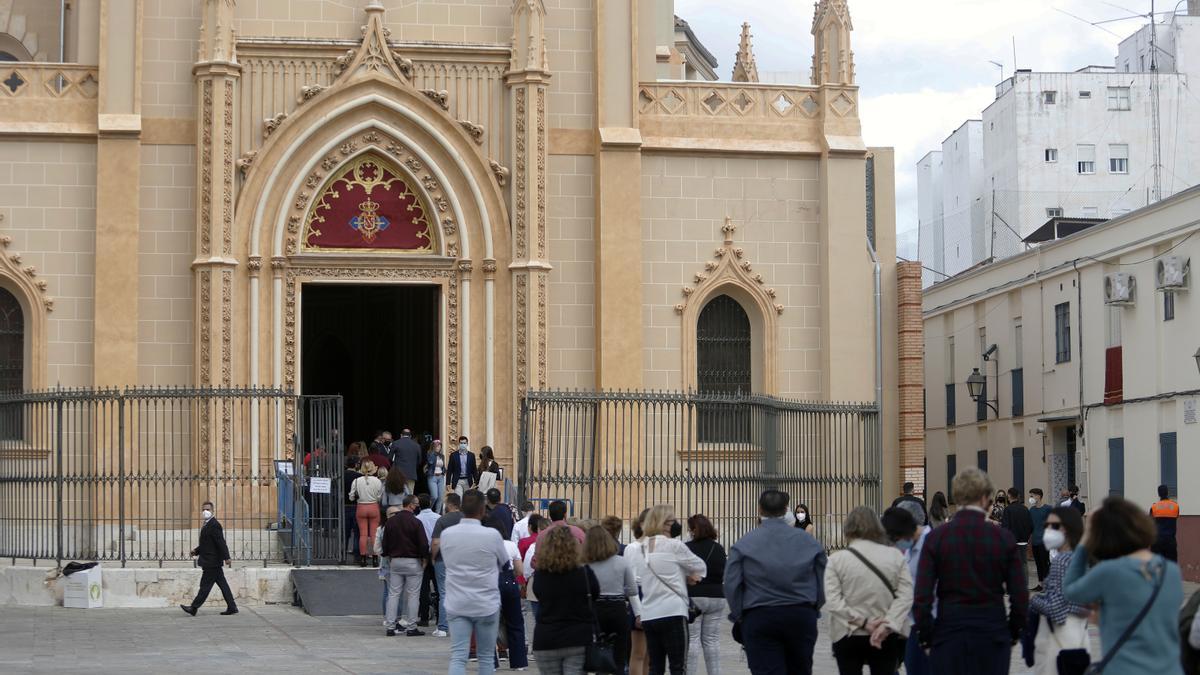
1097,668
873,568
693,612
598,657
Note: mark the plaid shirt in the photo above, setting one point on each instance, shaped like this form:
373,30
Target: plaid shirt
970,562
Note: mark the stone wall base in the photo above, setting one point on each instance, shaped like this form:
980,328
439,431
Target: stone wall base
147,587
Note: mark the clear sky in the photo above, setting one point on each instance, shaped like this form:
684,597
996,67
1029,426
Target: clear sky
923,67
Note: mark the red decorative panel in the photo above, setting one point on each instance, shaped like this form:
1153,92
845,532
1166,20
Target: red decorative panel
368,205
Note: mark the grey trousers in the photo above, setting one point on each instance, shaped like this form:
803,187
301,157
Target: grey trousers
705,635
404,578
565,661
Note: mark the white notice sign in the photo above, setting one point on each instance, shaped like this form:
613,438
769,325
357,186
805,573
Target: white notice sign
318,485
1189,411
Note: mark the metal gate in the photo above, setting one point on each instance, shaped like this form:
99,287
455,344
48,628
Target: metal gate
617,453
320,460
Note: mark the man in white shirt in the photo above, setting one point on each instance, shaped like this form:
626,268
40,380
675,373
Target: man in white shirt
473,555
521,527
428,519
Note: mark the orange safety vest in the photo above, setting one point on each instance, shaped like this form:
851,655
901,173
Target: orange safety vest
1165,509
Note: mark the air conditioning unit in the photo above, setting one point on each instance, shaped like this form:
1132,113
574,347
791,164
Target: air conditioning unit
1172,273
1119,288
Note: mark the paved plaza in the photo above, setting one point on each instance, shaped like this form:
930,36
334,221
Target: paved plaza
272,639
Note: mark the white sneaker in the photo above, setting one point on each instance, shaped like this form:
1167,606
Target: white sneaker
440,633
404,624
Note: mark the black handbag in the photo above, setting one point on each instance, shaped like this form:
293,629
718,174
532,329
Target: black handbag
599,656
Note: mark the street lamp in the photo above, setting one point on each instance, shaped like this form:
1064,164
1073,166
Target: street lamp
976,382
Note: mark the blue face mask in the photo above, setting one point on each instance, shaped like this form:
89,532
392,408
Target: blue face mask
905,545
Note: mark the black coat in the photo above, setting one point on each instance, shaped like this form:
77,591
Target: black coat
212,551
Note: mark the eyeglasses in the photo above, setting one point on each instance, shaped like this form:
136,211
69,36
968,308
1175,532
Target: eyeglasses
1054,526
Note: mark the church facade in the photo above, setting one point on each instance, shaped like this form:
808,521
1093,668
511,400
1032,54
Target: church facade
432,208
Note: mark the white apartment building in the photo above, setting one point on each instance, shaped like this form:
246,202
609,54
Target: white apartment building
931,240
1084,383
1082,144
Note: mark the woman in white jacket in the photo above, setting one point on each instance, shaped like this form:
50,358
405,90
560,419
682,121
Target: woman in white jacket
868,595
665,567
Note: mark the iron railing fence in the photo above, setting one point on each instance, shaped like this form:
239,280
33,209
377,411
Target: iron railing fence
619,452
119,475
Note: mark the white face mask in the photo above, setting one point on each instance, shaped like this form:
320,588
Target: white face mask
801,516
462,447
206,514
1054,539
1032,501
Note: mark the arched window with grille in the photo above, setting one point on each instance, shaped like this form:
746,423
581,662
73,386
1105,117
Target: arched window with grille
724,365
12,361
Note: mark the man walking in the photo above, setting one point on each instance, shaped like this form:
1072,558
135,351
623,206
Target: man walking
406,547
499,515
429,520
968,566
462,467
774,583
1165,513
210,554
1016,519
1038,513
452,517
473,555
405,453
908,496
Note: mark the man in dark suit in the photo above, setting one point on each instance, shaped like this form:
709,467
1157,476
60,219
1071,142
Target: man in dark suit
210,555
461,473
405,453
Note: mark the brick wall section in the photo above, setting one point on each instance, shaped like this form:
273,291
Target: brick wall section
912,373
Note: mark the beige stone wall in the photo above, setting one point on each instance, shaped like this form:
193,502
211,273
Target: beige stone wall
569,227
48,198
166,247
773,203
169,49
570,34
438,20
34,24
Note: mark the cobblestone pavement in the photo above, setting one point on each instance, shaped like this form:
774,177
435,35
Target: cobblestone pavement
273,639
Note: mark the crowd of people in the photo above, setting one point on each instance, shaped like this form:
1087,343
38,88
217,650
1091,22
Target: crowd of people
924,586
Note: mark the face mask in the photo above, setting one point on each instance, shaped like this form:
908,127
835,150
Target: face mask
904,545
206,514
1032,501
801,516
676,530
1054,539
462,447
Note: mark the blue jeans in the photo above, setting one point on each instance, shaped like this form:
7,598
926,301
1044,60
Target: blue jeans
437,490
514,619
484,629
439,573
916,661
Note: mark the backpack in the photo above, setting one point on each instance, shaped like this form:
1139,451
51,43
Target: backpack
1190,655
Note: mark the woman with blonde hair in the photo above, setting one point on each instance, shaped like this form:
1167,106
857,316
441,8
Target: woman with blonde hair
366,492
666,567
868,594
567,591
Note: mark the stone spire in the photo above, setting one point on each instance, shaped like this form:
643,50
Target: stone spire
216,31
744,68
833,60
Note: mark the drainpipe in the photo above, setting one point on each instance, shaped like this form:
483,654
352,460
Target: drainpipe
62,31
878,369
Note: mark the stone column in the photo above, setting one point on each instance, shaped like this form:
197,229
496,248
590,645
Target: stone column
216,73
118,169
528,78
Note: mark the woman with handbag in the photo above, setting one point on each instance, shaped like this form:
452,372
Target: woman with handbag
618,591
1062,635
868,595
708,595
666,568
365,491
435,474
566,590
1139,592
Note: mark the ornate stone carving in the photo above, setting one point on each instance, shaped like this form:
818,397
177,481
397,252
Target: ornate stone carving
744,67
254,264
26,277
521,293
520,208
438,96
465,267
227,169
308,92
728,267
246,161
206,121
205,329
833,60
489,266
342,62
474,130
541,171
405,66
270,124
501,173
